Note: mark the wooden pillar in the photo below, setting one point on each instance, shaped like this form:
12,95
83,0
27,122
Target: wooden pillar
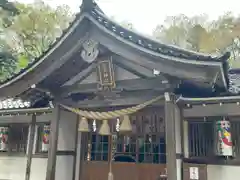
185,139
30,147
84,146
75,148
53,142
170,137
79,152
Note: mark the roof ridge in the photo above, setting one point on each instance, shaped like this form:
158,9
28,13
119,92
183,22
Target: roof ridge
106,21
87,5
150,44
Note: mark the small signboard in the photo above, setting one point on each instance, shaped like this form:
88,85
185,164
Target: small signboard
194,173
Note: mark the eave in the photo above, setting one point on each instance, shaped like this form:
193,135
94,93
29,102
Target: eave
155,50
28,111
209,100
209,108
53,58
146,52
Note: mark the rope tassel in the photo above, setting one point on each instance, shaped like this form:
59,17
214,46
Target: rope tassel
105,129
83,125
125,125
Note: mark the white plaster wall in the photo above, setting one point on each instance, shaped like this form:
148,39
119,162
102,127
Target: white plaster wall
67,131
64,168
66,142
220,172
13,168
38,169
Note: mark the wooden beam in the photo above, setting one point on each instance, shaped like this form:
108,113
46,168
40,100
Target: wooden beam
123,100
155,83
170,137
134,68
30,147
82,75
137,70
210,110
5,112
75,148
84,148
52,157
208,100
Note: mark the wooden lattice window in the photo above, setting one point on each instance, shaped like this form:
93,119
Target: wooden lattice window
99,148
146,144
152,149
201,137
235,130
17,137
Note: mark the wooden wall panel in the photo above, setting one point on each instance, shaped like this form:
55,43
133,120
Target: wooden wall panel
127,171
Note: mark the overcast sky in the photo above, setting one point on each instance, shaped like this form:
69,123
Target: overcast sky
146,14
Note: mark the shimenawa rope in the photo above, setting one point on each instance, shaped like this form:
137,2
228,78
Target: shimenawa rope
111,114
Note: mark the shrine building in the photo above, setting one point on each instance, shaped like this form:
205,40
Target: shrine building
106,103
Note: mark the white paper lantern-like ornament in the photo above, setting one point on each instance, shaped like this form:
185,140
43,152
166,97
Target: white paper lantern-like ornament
45,138
14,104
4,138
224,138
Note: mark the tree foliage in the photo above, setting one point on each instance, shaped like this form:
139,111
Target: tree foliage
37,26
8,6
7,57
29,33
202,35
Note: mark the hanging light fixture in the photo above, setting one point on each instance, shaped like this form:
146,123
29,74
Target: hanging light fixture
126,124
105,129
83,125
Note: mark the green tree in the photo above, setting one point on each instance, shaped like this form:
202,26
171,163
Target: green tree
8,6
29,32
37,26
7,58
173,31
199,34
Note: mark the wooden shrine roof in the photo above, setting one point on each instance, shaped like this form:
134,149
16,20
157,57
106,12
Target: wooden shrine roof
54,67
